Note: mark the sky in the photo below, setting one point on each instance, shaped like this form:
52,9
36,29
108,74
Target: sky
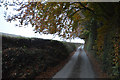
7,27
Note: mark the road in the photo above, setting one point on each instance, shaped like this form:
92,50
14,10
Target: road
78,66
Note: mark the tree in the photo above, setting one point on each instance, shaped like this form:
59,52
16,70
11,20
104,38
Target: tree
66,19
52,18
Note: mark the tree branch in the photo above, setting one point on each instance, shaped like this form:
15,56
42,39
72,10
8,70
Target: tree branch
74,13
86,8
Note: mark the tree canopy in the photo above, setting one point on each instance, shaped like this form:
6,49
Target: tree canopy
66,19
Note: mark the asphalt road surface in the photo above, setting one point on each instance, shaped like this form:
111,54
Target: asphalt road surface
78,66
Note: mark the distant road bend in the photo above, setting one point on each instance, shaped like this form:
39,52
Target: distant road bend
78,66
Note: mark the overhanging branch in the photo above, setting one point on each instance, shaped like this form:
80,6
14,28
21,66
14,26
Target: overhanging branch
86,8
74,12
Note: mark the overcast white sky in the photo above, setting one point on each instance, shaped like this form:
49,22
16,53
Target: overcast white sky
10,28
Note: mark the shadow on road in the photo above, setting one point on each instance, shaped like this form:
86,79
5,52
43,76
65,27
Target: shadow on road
76,69
79,67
